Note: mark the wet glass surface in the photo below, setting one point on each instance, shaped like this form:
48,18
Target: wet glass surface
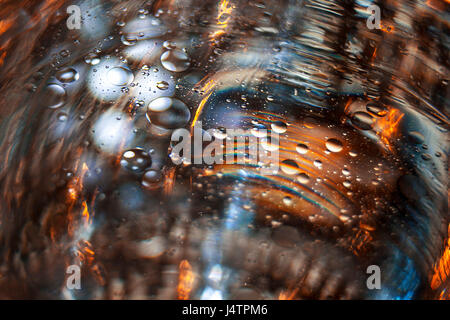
90,176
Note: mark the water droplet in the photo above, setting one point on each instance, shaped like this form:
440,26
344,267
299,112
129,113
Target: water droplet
168,113
334,145
318,164
287,200
120,76
362,120
128,40
162,85
92,59
151,179
376,109
175,60
289,166
67,75
303,178
55,96
135,160
279,127
302,148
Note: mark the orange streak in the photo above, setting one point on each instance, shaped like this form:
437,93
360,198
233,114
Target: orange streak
185,280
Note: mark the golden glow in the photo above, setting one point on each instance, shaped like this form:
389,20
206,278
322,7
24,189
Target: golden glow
442,267
388,126
185,280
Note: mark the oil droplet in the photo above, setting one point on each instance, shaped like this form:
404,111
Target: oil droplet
363,120
289,166
175,60
92,59
302,148
334,145
287,200
162,85
55,96
168,113
120,76
303,178
318,164
135,160
376,109
67,75
279,127
151,179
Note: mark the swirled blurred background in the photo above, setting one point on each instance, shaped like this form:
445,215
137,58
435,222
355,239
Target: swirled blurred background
86,170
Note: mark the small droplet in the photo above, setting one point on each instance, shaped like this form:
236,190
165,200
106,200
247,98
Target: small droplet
334,145
303,178
162,85
67,75
376,109
302,148
362,120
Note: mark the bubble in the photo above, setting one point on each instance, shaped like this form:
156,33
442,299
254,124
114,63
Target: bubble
162,85
135,160
175,60
92,59
318,164
376,109
54,95
347,184
119,76
287,200
289,166
151,178
303,178
128,39
362,120
67,75
302,148
334,145
279,126
169,113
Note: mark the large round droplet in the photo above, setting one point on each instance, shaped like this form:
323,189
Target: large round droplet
54,95
67,75
175,60
135,160
363,120
168,113
334,145
120,76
